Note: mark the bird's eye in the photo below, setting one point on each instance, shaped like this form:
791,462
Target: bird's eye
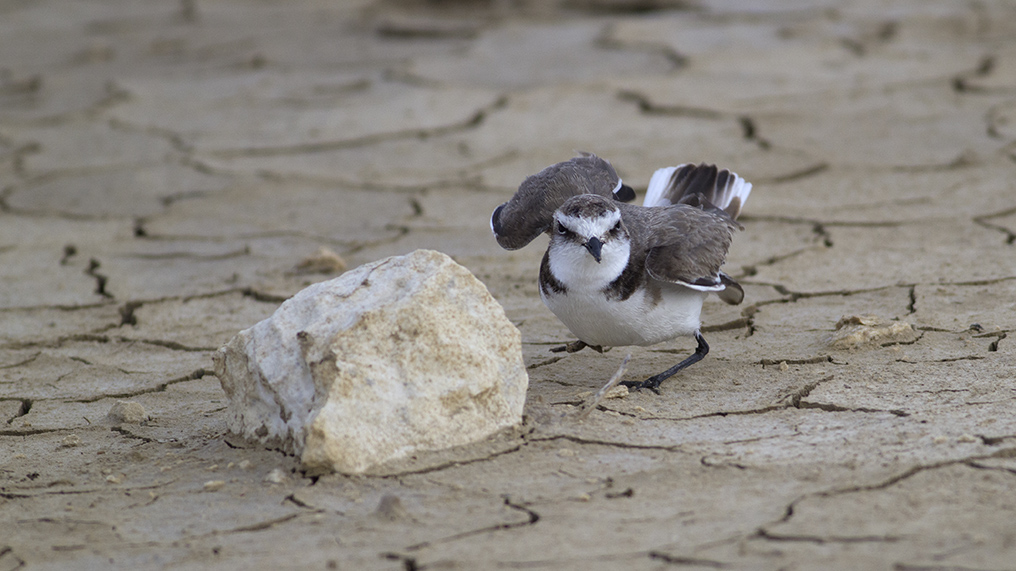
617,227
560,228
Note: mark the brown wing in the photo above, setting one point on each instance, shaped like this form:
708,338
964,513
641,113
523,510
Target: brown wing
687,245
531,211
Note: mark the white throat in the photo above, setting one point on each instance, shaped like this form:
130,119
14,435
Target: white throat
578,271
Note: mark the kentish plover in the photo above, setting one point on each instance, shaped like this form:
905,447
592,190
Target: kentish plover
620,274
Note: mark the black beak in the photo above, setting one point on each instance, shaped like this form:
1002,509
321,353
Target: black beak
594,245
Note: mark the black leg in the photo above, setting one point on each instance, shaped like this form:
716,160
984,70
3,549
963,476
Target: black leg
653,383
576,346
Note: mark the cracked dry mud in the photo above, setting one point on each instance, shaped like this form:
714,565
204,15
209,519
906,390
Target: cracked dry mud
165,167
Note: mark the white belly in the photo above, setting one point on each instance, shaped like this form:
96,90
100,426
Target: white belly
639,320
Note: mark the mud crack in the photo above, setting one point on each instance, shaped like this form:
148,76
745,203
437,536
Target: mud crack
263,525
472,122
126,311
99,338
531,519
649,108
752,269
455,463
25,408
129,434
10,560
983,221
985,67
161,387
689,561
803,173
745,322
614,444
821,540
762,532
100,279
549,361
749,130
607,42
262,296
797,401
809,361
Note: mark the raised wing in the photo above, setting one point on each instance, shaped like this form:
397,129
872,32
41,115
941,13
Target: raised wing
702,185
531,211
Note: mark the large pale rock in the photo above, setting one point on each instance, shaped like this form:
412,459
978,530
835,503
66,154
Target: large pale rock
404,354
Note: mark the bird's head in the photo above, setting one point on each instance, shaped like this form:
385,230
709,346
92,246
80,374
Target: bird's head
592,222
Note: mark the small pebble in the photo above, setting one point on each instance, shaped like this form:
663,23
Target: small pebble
390,508
127,412
244,464
70,441
324,261
276,476
214,485
114,479
784,366
618,392
967,438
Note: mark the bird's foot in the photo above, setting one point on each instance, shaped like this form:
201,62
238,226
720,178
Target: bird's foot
652,383
576,346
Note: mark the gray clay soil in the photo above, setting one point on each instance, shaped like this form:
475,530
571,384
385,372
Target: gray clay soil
166,166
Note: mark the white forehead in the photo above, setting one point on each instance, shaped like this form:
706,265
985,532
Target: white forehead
585,226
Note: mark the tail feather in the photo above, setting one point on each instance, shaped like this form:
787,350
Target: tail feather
691,184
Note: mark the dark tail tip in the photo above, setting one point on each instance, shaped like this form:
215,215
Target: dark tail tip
495,220
624,194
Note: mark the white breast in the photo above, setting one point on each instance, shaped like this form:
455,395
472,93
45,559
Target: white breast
642,319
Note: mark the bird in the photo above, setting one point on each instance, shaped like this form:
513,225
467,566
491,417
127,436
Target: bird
620,274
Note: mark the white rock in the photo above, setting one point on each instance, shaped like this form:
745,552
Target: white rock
404,354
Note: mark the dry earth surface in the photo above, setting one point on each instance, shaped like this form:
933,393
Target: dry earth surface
166,166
